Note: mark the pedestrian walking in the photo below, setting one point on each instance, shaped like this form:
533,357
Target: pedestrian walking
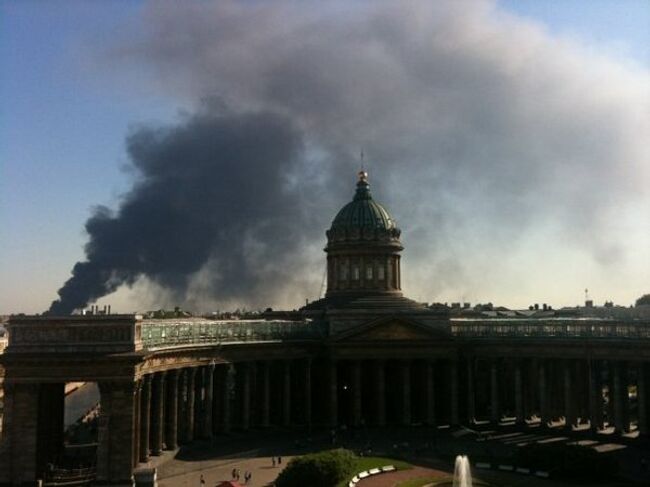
273,460
202,481
234,473
279,460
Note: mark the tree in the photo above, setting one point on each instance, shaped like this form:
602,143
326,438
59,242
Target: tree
645,299
324,469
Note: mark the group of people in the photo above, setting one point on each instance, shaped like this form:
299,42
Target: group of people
236,475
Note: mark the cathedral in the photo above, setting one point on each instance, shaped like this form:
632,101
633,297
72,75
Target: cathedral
362,356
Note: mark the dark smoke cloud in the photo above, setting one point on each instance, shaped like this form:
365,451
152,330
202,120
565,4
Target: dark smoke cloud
512,159
211,190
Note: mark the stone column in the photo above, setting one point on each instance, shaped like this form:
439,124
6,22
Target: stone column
199,412
246,397
254,395
471,399
495,413
569,404
266,395
617,395
519,394
454,417
182,406
308,393
189,407
543,398
117,434
642,400
429,377
225,399
286,393
406,392
208,400
145,418
333,384
595,397
171,416
380,400
157,419
356,393
19,433
137,398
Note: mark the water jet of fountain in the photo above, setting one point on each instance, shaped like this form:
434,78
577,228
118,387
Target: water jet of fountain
462,472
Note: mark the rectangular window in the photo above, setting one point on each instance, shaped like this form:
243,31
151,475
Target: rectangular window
344,271
380,273
355,272
368,272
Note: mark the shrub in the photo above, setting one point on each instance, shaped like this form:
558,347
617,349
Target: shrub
324,469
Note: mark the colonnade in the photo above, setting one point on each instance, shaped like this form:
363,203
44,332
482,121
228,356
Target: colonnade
574,392
176,406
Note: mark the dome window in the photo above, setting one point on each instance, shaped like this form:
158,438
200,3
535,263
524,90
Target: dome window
355,272
380,273
369,273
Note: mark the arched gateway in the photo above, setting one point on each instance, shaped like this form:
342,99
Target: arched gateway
378,358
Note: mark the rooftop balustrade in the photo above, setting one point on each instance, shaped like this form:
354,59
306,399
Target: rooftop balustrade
552,328
127,333
172,333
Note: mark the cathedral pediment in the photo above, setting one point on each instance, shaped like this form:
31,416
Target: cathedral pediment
392,329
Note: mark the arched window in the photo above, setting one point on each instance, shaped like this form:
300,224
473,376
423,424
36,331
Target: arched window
380,272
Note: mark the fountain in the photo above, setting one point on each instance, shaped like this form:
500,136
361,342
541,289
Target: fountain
462,472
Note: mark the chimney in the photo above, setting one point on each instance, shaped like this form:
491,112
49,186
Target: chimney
589,303
109,309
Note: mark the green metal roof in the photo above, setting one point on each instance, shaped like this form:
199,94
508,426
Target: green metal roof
363,211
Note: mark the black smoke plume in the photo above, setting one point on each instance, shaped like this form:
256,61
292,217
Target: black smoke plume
214,191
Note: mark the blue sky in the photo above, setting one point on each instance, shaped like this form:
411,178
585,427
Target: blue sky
63,119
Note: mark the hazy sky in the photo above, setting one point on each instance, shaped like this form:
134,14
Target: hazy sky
509,139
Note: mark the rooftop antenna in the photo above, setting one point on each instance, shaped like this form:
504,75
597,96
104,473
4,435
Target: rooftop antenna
362,161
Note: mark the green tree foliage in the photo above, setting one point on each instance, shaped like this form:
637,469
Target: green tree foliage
324,469
645,299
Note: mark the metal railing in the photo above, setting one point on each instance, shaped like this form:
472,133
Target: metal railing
162,334
570,328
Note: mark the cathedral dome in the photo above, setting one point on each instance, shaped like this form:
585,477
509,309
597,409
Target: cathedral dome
363,218
363,211
363,248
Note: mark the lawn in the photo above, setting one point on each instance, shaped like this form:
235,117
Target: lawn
366,463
